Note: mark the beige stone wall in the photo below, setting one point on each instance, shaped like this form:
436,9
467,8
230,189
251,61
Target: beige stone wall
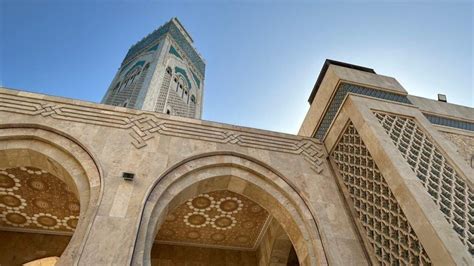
175,159
164,255
391,140
287,174
274,247
264,250
464,145
410,182
18,248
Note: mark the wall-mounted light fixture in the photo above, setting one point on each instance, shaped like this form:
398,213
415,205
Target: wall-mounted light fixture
128,176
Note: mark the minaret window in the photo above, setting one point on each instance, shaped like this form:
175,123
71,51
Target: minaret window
116,87
193,99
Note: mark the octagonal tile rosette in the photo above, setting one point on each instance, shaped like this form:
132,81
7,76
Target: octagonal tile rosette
229,205
196,219
32,198
46,221
15,218
70,222
8,181
201,203
11,201
223,222
220,218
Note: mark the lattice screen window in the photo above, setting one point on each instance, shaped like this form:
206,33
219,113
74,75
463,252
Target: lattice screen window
386,227
446,188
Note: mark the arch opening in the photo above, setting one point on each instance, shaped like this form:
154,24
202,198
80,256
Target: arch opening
49,188
172,215
220,227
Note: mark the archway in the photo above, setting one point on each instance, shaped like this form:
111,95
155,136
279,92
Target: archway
237,174
49,192
276,248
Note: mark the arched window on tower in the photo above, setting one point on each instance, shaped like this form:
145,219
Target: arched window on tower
169,71
125,104
117,86
186,96
179,86
193,99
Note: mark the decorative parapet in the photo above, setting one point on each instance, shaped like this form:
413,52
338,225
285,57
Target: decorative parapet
143,126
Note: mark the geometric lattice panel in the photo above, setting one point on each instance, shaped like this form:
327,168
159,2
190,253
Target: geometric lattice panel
446,188
386,227
32,198
221,219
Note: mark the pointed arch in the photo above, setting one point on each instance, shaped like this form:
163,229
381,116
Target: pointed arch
60,154
240,174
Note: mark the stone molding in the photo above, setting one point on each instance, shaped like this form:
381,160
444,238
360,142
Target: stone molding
143,126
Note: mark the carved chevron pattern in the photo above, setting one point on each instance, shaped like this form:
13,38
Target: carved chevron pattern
143,126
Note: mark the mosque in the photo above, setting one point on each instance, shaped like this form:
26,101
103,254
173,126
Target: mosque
374,175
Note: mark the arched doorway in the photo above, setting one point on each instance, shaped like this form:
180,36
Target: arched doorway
49,187
225,181
219,228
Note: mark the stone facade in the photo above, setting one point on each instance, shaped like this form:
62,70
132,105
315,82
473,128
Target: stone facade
464,146
375,176
392,158
163,73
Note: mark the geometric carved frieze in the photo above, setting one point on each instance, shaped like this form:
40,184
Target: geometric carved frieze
342,91
221,219
143,126
447,189
386,227
32,198
449,122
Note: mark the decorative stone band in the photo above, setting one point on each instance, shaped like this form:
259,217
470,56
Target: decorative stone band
447,189
143,126
386,227
449,122
340,95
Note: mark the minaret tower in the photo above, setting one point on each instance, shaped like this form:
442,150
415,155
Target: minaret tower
163,73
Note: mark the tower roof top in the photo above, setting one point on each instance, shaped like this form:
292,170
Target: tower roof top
179,34
324,69
176,20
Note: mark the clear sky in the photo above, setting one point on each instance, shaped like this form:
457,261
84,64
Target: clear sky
262,58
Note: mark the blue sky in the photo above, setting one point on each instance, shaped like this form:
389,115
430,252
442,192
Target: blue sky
262,58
